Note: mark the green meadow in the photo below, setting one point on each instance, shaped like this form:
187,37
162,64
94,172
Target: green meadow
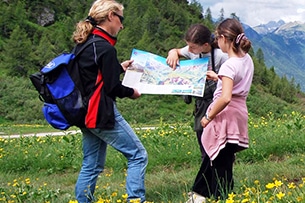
44,169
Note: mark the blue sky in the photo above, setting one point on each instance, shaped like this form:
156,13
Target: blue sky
255,12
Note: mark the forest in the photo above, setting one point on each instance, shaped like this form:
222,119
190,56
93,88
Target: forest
33,32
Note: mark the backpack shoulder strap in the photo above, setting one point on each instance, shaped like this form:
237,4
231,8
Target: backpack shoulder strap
76,74
87,43
213,59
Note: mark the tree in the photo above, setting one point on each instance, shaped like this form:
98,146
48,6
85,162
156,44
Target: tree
260,56
208,19
44,52
16,53
234,16
221,16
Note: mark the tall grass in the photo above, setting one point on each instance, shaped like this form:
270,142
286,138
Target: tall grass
45,169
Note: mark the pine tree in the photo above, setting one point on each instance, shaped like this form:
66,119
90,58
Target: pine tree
16,53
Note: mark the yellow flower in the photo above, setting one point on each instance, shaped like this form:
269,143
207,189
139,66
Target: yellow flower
280,195
278,183
270,185
138,200
291,185
231,196
73,201
100,200
124,196
245,201
27,181
299,199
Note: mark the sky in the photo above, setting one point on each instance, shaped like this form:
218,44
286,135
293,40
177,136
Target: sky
256,12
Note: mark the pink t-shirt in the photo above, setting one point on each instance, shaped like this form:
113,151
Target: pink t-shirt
231,124
240,70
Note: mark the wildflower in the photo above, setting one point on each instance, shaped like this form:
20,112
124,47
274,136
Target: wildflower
278,183
27,181
100,200
291,186
246,194
135,200
124,196
73,201
245,200
280,195
231,196
299,199
13,196
270,185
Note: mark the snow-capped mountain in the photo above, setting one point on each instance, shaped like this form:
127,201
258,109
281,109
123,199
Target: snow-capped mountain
283,45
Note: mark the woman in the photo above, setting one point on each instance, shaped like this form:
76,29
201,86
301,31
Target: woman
226,121
100,71
200,44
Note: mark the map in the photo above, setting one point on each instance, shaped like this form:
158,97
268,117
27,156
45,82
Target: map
150,74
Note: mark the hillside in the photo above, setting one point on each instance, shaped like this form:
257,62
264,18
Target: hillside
155,26
283,45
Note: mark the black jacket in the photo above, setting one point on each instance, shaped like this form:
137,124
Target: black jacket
100,73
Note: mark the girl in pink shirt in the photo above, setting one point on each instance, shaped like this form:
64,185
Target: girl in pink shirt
226,121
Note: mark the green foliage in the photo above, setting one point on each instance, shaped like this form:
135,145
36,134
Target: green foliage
16,53
155,26
19,101
44,169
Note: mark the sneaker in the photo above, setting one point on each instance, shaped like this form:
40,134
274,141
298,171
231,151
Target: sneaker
195,198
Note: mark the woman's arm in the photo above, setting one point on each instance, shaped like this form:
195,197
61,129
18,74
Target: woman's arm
221,102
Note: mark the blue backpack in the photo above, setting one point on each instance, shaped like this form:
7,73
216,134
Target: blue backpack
60,88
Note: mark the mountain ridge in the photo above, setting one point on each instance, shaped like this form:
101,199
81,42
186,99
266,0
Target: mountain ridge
283,45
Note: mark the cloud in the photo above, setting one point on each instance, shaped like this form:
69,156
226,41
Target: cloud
258,12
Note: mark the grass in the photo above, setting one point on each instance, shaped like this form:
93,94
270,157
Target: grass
45,169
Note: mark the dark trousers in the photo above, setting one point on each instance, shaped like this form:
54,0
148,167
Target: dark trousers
216,178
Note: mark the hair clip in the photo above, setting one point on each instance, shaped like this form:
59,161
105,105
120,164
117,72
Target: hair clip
239,38
91,20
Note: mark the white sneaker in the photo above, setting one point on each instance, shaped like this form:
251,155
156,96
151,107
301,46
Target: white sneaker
195,198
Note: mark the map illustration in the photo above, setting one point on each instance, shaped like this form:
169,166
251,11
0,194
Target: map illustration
150,74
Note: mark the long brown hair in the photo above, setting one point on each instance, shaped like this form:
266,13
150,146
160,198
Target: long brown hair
233,31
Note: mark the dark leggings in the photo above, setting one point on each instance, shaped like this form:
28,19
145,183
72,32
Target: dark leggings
216,178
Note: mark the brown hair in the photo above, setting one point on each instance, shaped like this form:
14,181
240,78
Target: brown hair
97,14
198,34
233,31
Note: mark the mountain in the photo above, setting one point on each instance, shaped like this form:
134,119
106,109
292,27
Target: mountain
283,45
269,27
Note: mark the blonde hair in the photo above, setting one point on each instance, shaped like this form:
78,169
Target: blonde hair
97,14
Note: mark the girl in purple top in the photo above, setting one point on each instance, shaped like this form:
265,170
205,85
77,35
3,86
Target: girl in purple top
226,121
